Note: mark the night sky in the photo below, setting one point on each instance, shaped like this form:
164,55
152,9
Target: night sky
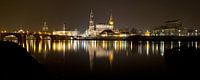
140,14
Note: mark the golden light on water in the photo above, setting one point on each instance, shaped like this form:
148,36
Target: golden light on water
64,46
45,48
59,46
49,44
147,47
34,47
27,46
120,45
95,50
101,47
40,47
105,46
111,57
115,45
54,46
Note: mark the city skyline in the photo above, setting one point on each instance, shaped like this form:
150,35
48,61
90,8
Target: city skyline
141,14
100,39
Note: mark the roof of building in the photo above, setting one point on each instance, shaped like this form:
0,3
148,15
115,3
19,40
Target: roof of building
108,31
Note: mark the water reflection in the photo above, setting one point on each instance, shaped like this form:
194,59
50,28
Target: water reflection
140,47
196,44
171,43
147,47
94,49
162,47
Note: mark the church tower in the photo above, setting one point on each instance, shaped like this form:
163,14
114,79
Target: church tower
111,22
91,22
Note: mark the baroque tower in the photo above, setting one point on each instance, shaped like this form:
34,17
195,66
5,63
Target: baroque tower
111,22
91,22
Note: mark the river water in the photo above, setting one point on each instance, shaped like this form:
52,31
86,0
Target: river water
63,57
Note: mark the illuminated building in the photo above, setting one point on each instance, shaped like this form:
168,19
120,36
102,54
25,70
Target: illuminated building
147,33
91,31
95,29
4,31
171,28
65,32
111,22
45,29
107,33
21,31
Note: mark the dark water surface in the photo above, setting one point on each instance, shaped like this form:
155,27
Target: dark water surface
118,59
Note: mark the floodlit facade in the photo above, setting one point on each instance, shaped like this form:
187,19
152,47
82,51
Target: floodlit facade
173,28
95,29
66,33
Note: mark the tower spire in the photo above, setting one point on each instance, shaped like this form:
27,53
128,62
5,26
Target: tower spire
111,22
91,22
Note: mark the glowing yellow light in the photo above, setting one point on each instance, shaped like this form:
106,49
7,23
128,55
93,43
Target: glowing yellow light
111,22
63,49
120,45
34,47
59,46
111,57
147,47
104,35
40,32
68,46
105,46
49,44
54,46
45,48
27,46
115,45
147,33
40,47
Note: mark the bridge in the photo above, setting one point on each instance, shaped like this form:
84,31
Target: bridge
22,37
37,36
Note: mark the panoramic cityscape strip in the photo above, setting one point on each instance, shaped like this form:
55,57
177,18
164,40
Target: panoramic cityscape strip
172,29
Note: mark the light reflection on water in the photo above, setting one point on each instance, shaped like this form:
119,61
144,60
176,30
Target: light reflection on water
94,49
